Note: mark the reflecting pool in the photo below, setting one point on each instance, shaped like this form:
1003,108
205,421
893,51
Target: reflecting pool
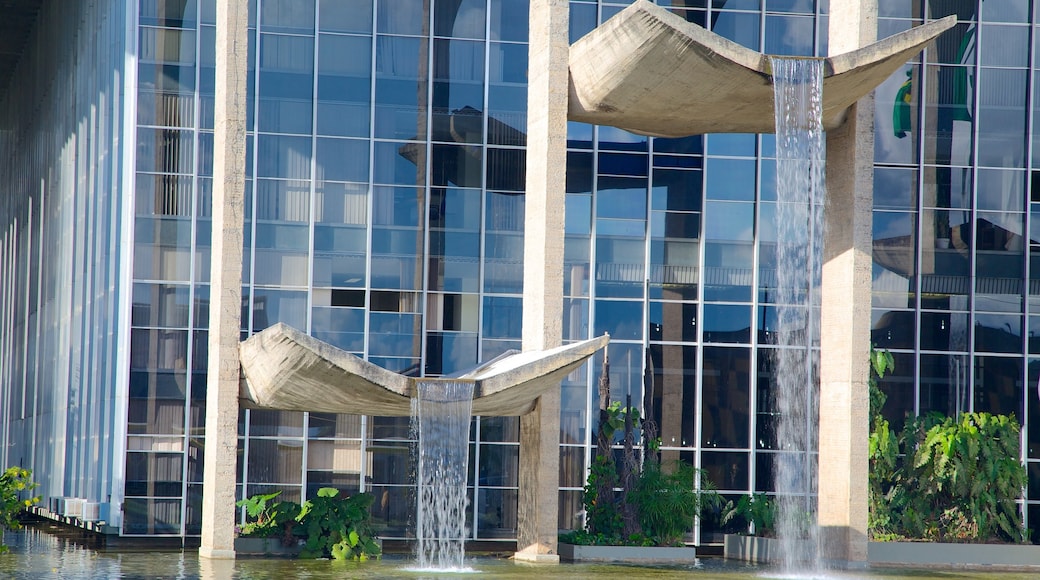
37,554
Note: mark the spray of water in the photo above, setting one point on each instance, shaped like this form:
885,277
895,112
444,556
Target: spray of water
442,413
798,90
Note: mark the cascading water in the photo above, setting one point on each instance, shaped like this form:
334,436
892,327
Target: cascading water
798,92
442,415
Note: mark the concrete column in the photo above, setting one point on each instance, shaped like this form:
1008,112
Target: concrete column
225,306
845,332
538,502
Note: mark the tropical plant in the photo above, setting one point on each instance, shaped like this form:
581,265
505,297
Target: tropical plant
269,518
330,525
667,503
757,510
15,483
338,527
944,478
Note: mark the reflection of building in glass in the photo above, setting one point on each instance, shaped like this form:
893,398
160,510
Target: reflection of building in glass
385,215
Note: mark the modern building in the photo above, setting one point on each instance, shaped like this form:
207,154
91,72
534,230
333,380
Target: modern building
385,205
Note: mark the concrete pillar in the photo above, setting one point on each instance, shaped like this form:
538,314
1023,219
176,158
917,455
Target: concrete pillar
845,332
538,502
225,306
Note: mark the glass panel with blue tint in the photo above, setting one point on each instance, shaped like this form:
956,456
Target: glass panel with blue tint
394,334
1001,190
165,150
271,306
948,120
728,270
507,94
789,35
674,255
576,265
160,305
673,321
396,257
998,385
456,165
459,18
291,16
623,164
344,85
730,179
286,201
286,82
450,352
502,318
727,323
402,16
998,332
339,255
743,28
676,190
341,203
503,262
401,87
999,257
345,15
1005,11
162,249
1002,118
621,197
455,239
894,258
725,398
731,144
614,139
171,13
283,156
458,91
575,319
280,255
895,188
509,20
620,258
506,169
343,328
622,319
341,159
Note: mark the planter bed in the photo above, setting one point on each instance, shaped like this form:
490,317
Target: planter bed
904,554
265,547
932,554
632,554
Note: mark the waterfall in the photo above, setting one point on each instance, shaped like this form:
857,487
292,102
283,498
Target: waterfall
798,92
442,414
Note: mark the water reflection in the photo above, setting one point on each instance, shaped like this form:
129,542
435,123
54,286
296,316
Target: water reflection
45,552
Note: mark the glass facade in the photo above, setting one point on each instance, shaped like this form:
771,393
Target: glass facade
385,209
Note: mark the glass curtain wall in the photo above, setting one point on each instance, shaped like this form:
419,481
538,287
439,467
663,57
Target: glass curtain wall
385,214
62,275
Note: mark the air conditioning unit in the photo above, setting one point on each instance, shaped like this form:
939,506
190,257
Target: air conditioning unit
91,511
73,507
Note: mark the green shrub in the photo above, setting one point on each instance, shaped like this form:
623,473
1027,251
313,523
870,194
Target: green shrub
667,503
758,510
15,483
332,526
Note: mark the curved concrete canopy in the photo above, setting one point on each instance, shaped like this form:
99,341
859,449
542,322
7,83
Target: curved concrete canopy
648,71
288,370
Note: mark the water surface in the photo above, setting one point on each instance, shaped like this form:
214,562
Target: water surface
37,554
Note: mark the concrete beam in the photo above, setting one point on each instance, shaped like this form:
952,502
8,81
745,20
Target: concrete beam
649,71
845,316
547,96
286,369
229,163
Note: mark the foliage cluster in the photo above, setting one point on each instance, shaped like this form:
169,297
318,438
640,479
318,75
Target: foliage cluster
15,483
330,525
950,479
665,499
757,510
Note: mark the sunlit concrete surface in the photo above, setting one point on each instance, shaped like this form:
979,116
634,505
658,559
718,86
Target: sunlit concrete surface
288,370
648,71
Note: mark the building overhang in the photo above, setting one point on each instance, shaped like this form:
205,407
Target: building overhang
648,71
285,369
